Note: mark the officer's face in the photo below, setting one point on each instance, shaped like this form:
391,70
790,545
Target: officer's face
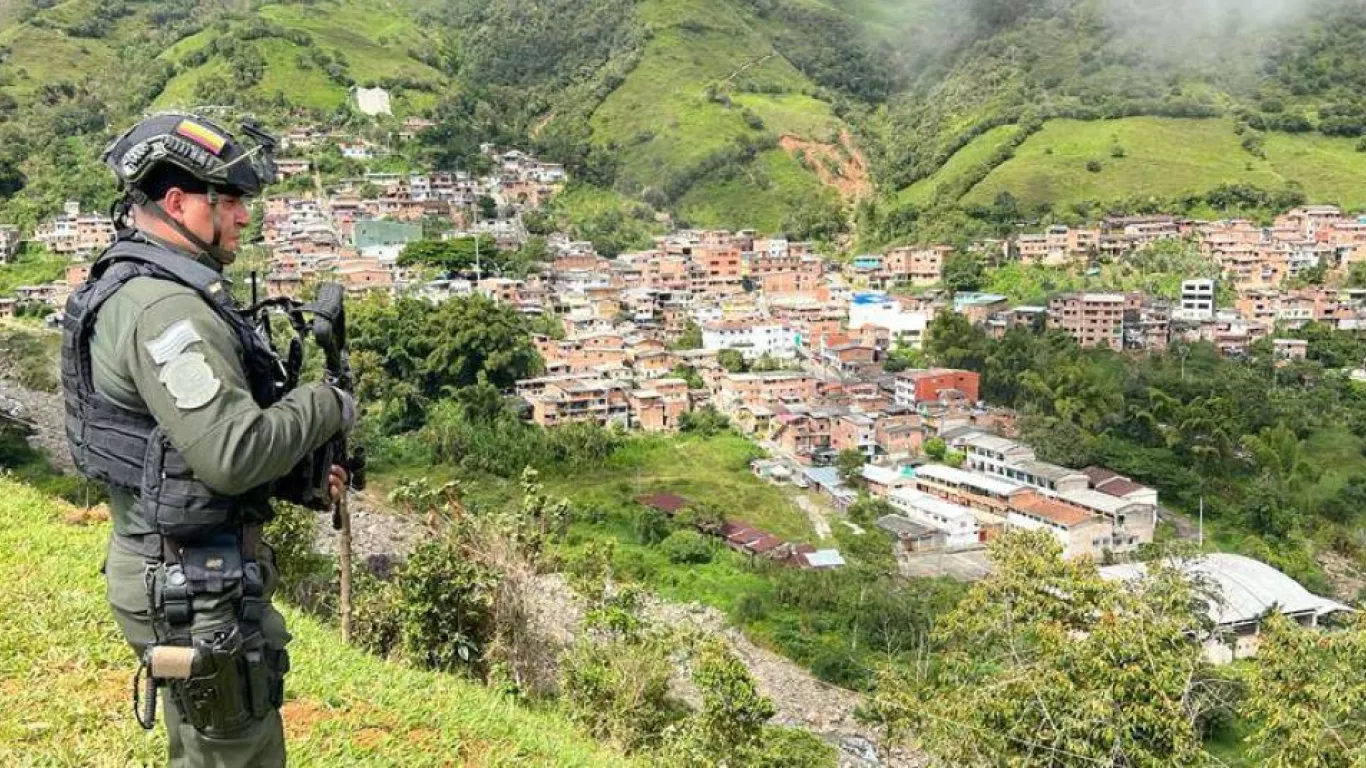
195,213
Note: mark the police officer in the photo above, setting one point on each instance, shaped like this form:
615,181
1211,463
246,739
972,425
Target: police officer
178,405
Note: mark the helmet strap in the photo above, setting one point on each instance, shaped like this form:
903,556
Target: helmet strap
213,249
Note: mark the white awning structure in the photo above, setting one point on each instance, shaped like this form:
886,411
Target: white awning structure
1248,588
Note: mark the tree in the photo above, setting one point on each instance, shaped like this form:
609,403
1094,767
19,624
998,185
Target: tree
732,360
954,458
963,272
850,463
1047,664
954,342
936,448
903,358
691,338
477,339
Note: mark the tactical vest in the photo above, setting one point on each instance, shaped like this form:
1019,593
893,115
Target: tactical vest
127,449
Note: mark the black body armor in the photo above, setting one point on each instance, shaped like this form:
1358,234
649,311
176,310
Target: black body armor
127,449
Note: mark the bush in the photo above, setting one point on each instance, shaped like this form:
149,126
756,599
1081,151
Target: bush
619,690
839,668
291,536
446,606
1094,166
687,547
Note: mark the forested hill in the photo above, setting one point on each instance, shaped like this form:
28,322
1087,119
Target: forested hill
774,114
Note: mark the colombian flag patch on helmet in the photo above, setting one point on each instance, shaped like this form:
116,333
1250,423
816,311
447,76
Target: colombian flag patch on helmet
202,135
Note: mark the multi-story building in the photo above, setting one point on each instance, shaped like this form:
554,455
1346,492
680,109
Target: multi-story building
752,339
660,407
922,385
1197,300
1093,319
600,401
916,265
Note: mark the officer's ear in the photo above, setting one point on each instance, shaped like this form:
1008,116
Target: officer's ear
173,203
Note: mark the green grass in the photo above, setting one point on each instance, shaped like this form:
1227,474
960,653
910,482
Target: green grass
31,268
756,196
714,470
1163,158
373,38
661,117
963,162
1330,169
1338,454
794,113
40,56
65,676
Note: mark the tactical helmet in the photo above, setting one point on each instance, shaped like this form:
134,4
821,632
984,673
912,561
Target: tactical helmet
197,146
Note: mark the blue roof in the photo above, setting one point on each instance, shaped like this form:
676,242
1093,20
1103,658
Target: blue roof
869,297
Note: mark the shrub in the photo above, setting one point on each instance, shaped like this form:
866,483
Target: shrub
1094,166
839,668
302,570
446,606
687,547
618,691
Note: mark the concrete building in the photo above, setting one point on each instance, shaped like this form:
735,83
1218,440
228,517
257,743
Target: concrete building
957,524
925,384
905,328
1093,319
1197,301
753,340
597,400
372,101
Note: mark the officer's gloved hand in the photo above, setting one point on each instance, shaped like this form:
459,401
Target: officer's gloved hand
348,409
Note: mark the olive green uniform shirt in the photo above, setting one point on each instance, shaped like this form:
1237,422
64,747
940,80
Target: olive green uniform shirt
230,442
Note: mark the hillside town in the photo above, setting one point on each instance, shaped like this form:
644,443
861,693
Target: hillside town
790,345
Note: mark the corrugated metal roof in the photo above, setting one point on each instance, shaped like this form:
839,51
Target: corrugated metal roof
1247,588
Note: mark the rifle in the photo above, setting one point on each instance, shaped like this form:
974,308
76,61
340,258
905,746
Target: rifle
324,319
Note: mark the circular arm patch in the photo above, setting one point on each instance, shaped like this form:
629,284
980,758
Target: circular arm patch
190,380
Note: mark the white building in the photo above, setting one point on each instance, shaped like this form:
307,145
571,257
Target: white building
907,328
958,524
753,340
1197,301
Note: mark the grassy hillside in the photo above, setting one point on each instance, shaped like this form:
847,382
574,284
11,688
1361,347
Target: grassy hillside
65,676
1163,158
708,78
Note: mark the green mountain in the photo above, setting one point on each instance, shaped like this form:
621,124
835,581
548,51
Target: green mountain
774,114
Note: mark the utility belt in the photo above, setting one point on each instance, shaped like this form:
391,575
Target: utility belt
207,601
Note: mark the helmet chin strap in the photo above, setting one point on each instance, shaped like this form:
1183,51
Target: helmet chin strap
213,248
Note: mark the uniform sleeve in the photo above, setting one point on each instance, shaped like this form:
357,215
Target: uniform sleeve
184,362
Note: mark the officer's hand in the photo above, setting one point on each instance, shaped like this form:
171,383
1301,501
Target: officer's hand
336,482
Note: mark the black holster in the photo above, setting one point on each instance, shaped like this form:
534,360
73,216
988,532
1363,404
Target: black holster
236,677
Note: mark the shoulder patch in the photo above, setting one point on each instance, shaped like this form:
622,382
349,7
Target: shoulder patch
190,380
172,342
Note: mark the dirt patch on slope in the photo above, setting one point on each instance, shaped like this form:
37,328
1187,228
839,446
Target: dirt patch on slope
840,165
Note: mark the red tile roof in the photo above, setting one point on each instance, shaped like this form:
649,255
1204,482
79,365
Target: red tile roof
667,503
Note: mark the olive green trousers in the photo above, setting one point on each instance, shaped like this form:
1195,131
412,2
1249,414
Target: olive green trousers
258,745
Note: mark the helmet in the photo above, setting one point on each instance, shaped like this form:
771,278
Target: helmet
196,146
